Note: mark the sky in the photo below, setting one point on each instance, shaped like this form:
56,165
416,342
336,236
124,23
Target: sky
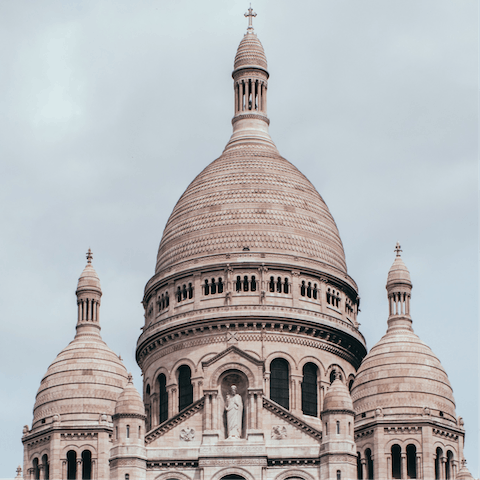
111,108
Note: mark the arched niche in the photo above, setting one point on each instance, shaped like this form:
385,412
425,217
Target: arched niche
241,382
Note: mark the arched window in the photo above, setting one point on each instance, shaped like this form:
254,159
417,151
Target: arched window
368,457
238,284
280,382
396,461
438,463
128,431
179,294
302,288
412,461
285,286
279,285
309,290
315,291
148,408
310,390
36,469
163,398
185,387
184,292
167,300
71,465
220,285
448,466
329,296
338,427
206,288
253,286
339,475
46,467
245,283
332,375
86,465
190,291
213,287
359,466
272,284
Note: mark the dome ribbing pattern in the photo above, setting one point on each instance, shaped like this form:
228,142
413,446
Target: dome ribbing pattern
251,197
250,53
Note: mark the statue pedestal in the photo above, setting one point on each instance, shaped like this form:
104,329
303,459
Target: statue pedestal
210,437
255,436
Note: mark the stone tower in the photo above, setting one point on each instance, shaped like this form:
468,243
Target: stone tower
72,417
250,312
405,422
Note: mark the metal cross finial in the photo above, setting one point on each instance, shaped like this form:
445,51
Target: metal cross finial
398,249
250,16
89,256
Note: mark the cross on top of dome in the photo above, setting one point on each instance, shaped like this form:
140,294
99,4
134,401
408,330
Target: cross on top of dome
250,16
398,249
89,256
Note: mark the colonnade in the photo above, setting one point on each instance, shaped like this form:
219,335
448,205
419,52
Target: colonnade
250,94
88,310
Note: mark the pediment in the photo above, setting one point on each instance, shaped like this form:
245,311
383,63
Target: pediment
232,351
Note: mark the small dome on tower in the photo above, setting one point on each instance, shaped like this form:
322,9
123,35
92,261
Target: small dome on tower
129,401
464,473
398,273
337,397
250,52
89,279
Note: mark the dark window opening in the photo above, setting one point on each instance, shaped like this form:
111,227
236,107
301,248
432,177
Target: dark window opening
359,466
396,461
184,292
245,283
185,387
167,300
315,291
71,465
280,382
309,290
279,285
220,285
339,475
86,465
272,284
46,467
36,469
253,285
206,288
285,286
368,456
310,390
179,294
239,284
412,461
213,287
190,291
302,288
163,398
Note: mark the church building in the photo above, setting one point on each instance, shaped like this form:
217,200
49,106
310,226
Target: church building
254,367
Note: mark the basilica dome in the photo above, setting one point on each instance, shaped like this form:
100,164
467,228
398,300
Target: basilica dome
401,376
251,198
250,53
84,381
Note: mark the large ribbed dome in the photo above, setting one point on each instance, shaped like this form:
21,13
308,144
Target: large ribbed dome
250,53
82,383
251,198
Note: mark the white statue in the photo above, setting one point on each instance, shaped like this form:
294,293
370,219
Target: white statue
234,409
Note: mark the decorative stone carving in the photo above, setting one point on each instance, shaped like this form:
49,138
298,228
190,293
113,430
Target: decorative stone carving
187,434
378,412
279,432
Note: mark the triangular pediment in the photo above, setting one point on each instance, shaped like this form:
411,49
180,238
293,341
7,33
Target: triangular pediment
231,351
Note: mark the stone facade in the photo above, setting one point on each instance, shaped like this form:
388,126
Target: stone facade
253,364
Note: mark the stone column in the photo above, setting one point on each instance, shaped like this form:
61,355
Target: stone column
363,461
214,410
251,410
64,469
419,465
266,378
443,469
403,470
295,288
79,469
197,290
296,401
388,456
265,99
259,398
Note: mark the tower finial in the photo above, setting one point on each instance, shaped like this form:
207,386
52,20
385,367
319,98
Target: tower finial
398,249
250,16
89,256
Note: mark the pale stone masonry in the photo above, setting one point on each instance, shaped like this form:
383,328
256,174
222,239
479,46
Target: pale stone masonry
252,360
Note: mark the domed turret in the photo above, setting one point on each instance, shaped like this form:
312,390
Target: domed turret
86,378
129,402
337,397
401,375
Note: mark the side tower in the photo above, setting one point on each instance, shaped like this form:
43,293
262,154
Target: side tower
72,417
405,420
250,310
128,459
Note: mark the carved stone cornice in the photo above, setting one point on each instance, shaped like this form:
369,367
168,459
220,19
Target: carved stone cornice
292,419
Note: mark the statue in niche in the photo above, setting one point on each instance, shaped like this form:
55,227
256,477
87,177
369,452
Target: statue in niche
234,411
